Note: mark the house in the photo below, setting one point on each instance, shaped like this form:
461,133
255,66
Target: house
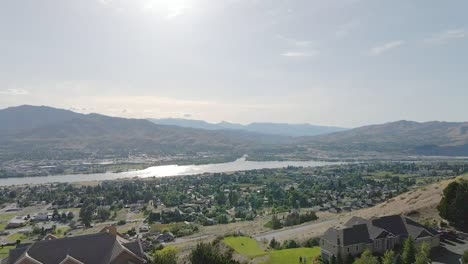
17,222
104,247
376,234
166,237
41,217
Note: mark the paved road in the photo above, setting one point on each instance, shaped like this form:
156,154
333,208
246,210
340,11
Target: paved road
449,252
291,232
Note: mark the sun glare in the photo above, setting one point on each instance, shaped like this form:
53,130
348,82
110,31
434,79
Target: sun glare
168,8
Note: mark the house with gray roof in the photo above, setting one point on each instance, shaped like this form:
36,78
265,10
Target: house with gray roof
105,247
376,234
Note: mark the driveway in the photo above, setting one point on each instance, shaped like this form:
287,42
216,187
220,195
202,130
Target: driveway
450,251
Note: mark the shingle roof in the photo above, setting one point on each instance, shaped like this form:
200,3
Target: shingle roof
99,248
359,230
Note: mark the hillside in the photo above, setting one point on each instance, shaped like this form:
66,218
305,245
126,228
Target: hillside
412,138
293,130
44,131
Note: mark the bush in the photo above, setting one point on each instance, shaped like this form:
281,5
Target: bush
167,255
312,242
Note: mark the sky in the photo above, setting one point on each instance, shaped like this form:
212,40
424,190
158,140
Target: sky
336,62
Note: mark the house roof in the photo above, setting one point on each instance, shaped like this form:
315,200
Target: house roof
94,248
359,230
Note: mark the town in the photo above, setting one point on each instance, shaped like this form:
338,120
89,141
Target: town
163,211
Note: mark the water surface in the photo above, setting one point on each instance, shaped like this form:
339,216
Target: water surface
167,170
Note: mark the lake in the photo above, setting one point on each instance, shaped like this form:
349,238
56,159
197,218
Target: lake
167,170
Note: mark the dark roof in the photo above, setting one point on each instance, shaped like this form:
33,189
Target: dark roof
94,248
135,247
393,224
357,234
359,230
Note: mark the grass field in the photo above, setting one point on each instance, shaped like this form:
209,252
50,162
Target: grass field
245,246
292,255
14,237
4,219
4,251
249,247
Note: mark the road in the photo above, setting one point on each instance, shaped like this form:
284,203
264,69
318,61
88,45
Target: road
292,232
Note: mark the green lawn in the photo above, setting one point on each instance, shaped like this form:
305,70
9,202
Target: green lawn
4,219
292,255
245,246
14,237
4,251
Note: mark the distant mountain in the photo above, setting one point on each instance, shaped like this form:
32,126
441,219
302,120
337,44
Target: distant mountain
429,138
35,131
15,119
293,130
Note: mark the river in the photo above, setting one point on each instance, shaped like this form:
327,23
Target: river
167,170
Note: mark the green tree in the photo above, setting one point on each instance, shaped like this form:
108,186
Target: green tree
86,213
206,253
103,213
423,254
409,251
388,257
275,222
367,258
465,257
167,255
453,206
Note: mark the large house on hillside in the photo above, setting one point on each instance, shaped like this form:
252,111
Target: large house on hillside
105,247
376,234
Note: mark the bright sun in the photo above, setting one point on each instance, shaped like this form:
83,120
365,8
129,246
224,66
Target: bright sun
168,8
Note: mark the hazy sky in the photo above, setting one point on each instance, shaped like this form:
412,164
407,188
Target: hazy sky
333,62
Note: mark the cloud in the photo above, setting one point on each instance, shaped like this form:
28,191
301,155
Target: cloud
14,92
296,42
386,47
298,54
447,36
345,29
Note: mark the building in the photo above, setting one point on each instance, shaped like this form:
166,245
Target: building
105,247
17,222
376,234
166,237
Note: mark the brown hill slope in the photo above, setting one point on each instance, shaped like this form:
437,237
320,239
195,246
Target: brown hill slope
429,138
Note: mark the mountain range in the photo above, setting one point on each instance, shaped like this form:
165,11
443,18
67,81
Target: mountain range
44,131
293,130
31,132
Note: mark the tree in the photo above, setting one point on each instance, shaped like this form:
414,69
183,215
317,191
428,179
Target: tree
388,257
206,253
167,255
367,258
275,222
103,213
465,256
409,251
423,254
220,198
453,207
86,213
222,219
70,215
274,244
